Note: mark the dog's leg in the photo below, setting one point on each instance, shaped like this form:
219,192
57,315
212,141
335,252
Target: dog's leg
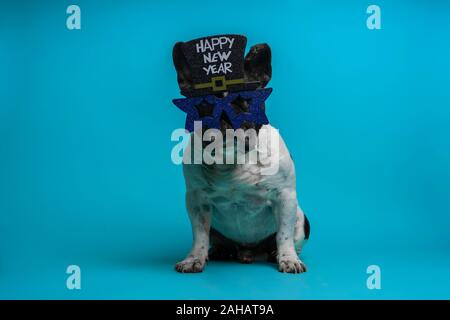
200,216
302,230
285,209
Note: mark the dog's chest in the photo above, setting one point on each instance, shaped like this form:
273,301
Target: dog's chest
241,202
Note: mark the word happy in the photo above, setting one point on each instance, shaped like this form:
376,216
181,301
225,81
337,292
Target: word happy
217,61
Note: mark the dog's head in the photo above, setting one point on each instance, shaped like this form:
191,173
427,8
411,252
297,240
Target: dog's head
257,69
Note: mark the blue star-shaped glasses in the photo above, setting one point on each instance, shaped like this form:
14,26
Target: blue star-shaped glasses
254,98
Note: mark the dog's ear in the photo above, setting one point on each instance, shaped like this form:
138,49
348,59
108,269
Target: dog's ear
258,64
181,65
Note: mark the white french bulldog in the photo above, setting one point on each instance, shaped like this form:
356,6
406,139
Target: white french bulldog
237,211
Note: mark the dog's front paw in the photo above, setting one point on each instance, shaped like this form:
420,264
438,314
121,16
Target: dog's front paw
191,265
291,264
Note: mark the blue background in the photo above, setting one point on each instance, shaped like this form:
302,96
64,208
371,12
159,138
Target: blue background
86,176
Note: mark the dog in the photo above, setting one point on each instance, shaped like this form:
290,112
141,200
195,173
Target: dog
236,212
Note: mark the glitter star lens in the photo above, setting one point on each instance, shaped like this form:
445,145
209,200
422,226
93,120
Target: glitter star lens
240,107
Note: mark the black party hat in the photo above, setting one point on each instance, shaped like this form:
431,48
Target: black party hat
213,64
